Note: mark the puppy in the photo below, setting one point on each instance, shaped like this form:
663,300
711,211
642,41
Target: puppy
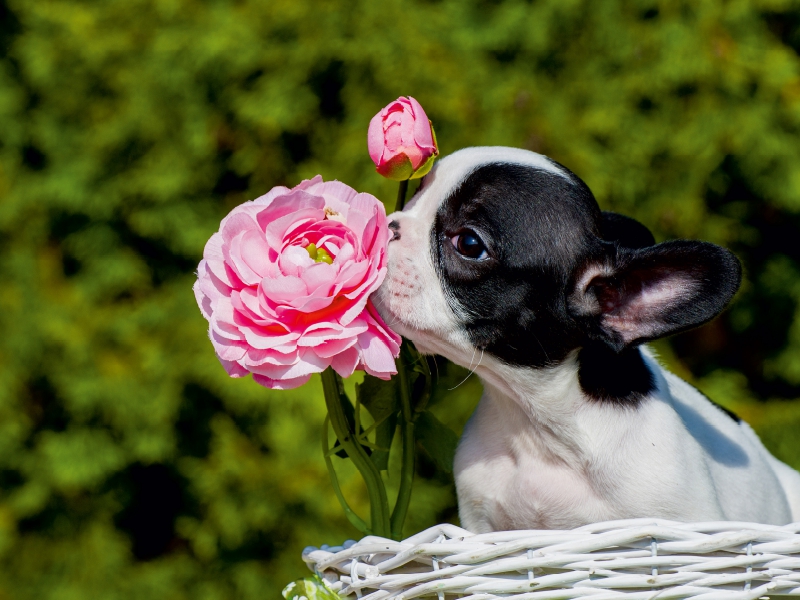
503,263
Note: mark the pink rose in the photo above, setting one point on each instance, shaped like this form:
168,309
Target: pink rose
285,285
401,140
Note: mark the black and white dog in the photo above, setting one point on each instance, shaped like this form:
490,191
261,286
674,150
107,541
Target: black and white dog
503,263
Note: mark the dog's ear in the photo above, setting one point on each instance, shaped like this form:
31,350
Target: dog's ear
624,231
638,295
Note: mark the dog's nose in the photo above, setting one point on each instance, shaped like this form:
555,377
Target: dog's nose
395,227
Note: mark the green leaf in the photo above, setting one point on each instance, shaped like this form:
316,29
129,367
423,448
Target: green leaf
350,415
312,588
438,440
384,434
379,397
421,377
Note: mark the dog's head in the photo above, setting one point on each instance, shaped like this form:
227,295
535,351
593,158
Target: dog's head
506,252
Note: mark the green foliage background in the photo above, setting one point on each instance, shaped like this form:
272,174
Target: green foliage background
130,465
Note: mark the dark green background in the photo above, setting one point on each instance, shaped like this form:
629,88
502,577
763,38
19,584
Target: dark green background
130,465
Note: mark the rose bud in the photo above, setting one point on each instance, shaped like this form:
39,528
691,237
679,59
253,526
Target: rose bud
401,140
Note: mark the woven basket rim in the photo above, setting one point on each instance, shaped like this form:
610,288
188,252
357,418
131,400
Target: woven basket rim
633,558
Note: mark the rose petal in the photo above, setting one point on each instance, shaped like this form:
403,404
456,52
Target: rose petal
335,347
308,305
227,349
375,138
306,363
249,307
255,253
376,355
281,384
353,274
286,212
233,369
223,320
307,183
370,283
345,362
257,358
261,340
234,259
393,134
415,155
236,224
211,287
321,333
375,321
283,289
294,261
215,260
423,136
319,278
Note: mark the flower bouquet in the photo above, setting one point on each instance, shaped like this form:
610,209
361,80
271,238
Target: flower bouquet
285,285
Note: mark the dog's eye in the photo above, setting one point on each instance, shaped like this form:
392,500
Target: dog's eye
470,245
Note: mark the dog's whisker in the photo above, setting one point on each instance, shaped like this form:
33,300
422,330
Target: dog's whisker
540,346
472,372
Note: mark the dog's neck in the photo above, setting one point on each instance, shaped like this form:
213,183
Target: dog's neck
556,409
547,408
546,394
542,406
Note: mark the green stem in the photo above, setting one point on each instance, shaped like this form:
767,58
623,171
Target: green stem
401,195
408,440
380,523
354,519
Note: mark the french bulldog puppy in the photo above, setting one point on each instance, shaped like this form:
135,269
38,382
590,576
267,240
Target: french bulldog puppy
503,263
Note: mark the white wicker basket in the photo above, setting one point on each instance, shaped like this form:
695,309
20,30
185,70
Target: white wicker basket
633,559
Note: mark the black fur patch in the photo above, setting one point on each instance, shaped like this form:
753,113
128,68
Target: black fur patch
624,231
608,376
537,226
521,297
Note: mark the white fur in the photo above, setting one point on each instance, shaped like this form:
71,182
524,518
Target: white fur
537,453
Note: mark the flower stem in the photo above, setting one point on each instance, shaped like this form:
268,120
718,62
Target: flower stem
380,523
401,195
409,446
354,519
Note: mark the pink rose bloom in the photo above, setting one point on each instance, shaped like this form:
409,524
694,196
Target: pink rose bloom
401,140
285,285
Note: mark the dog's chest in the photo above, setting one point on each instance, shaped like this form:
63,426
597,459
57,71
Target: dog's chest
503,493
514,472
510,479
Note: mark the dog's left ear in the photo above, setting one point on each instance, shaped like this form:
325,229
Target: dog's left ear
637,295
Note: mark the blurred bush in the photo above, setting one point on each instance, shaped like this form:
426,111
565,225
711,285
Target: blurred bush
130,465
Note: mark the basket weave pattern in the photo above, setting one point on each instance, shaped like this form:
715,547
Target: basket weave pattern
632,559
